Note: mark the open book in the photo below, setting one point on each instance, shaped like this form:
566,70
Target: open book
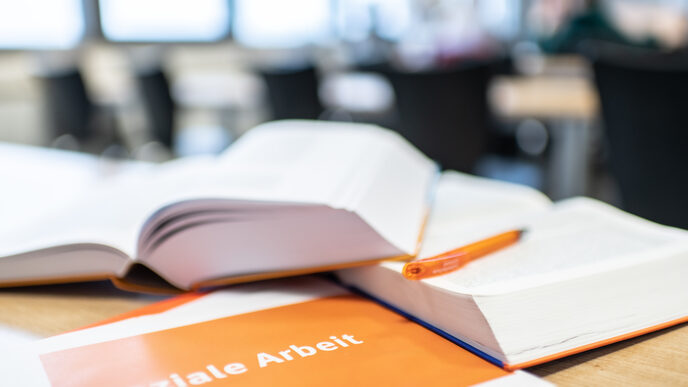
289,197
294,332
585,274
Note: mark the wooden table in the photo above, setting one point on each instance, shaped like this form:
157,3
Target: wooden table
660,358
544,97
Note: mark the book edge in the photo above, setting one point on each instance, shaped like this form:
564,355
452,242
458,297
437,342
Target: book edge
290,273
597,344
56,280
526,364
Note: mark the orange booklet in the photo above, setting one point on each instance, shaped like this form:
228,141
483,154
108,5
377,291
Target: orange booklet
304,331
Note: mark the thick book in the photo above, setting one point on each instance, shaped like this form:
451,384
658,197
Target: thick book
293,332
288,197
585,274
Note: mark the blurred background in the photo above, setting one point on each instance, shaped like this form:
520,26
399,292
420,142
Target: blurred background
570,97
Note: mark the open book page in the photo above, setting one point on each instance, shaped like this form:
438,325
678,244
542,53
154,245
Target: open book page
393,190
82,207
297,160
39,185
285,162
111,211
314,161
577,237
36,181
574,236
356,167
340,165
467,208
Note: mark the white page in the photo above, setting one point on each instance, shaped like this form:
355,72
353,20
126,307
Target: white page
39,188
469,208
573,236
395,192
317,162
112,211
360,168
85,207
576,236
287,161
36,181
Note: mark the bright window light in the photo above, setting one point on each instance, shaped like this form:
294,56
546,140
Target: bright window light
282,23
500,17
389,19
164,20
41,24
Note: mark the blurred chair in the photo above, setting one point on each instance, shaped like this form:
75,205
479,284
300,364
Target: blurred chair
444,112
644,100
292,93
68,107
158,104
71,111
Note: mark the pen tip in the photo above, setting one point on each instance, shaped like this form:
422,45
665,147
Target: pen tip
522,232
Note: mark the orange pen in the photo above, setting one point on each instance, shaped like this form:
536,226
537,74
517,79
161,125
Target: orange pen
455,259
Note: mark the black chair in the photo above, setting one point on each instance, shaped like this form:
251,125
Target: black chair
292,92
644,100
158,104
69,110
68,107
444,112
